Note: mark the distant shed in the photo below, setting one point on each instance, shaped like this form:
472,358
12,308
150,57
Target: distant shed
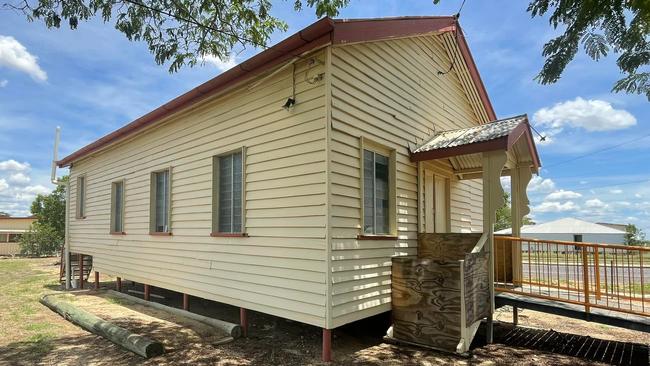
571,229
11,229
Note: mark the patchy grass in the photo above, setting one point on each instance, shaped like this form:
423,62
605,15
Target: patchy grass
24,282
31,334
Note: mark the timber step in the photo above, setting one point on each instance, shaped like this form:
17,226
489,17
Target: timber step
75,266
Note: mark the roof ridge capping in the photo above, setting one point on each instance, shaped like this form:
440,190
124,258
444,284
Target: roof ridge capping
318,34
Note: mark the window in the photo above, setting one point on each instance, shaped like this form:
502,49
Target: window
227,193
81,197
160,201
376,193
117,207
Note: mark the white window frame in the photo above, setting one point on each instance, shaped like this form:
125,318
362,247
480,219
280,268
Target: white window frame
113,201
81,197
377,148
152,209
216,193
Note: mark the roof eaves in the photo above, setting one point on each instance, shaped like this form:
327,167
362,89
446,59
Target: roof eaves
313,36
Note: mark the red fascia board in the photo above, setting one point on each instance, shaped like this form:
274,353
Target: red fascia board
500,143
473,71
315,35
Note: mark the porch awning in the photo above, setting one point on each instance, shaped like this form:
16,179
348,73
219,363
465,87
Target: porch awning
463,147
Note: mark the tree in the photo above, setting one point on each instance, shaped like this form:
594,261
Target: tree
601,27
181,31
49,209
47,233
504,215
40,240
634,235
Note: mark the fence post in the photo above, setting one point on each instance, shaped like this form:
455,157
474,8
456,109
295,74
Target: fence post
585,277
597,272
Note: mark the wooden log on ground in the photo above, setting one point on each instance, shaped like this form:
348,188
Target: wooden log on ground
234,330
135,343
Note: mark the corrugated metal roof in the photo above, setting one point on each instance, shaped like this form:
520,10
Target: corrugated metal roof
567,225
466,136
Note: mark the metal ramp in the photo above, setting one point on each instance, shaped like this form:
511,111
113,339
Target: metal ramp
608,317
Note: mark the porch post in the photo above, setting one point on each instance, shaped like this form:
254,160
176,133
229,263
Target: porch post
520,177
493,163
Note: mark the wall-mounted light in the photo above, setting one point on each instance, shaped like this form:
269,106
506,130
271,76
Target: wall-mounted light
289,103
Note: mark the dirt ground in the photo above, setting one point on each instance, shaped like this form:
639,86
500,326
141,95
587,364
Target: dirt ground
31,334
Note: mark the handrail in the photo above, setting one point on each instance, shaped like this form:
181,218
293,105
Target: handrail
575,243
480,243
596,276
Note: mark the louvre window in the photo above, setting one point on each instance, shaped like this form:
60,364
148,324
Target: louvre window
81,197
227,189
160,201
117,207
376,191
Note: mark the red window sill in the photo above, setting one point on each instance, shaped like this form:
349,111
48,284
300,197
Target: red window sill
117,233
229,235
376,237
158,233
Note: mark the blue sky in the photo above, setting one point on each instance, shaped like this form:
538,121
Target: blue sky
91,81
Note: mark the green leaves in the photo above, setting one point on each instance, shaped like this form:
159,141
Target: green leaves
600,26
178,33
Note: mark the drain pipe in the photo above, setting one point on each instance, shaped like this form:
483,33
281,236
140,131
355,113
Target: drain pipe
66,184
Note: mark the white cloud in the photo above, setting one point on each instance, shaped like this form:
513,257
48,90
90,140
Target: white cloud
539,184
590,115
14,165
562,195
28,193
3,185
556,207
3,83
595,203
219,63
19,178
616,191
15,56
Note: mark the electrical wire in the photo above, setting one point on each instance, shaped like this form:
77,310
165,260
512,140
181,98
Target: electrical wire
612,147
582,189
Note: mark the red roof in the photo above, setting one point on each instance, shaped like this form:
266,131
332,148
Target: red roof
323,32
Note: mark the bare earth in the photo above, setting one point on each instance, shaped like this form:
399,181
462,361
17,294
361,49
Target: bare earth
32,334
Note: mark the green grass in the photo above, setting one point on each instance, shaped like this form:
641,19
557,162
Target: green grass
24,282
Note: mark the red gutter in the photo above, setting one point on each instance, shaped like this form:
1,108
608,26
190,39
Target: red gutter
315,35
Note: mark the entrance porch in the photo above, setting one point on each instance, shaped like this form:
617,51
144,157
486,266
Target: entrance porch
440,297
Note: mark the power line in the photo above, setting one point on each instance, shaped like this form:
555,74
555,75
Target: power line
612,185
612,147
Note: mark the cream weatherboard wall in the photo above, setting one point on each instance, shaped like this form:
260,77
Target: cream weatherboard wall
302,186
281,268
388,92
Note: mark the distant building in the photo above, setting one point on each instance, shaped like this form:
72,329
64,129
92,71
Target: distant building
11,229
570,229
622,227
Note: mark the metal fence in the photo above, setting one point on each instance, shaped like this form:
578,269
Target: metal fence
602,276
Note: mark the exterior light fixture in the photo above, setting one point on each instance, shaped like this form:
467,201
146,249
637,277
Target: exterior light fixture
289,103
